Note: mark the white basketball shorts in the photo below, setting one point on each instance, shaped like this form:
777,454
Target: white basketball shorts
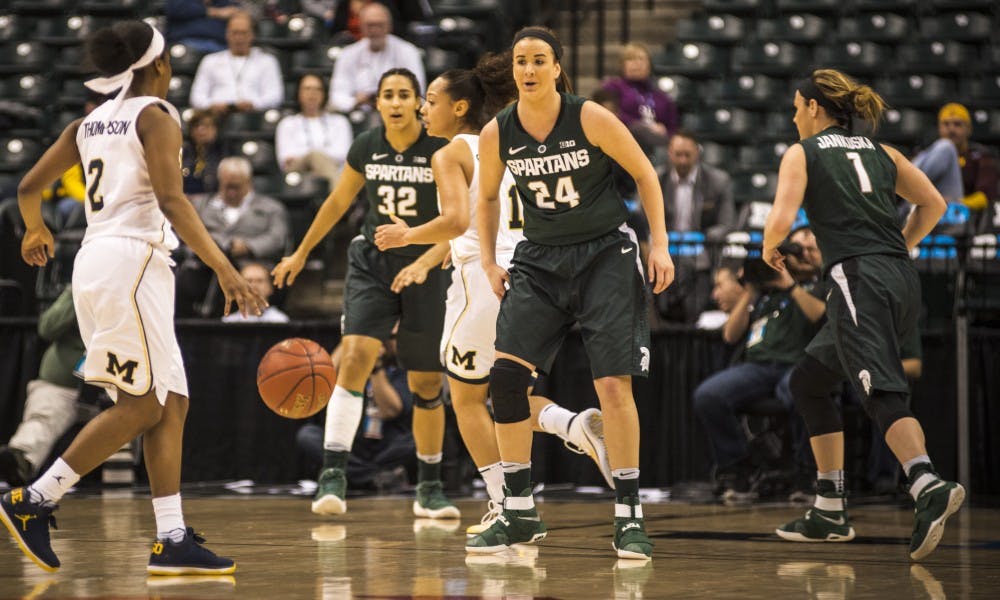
123,292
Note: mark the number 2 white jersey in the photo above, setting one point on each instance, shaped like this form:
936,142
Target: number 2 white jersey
466,246
119,200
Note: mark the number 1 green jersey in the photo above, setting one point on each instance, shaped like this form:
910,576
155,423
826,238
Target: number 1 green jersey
565,182
399,183
850,198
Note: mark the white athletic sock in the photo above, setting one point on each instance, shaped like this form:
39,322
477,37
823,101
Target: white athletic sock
169,518
343,415
513,467
493,476
831,504
916,460
555,419
431,459
55,482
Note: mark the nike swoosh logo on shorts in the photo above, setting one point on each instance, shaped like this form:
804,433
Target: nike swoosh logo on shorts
378,156
512,151
841,521
626,250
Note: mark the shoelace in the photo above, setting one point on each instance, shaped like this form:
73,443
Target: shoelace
493,511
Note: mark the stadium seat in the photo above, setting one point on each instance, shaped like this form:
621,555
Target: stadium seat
962,4
799,28
885,5
723,156
67,31
242,126
118,8
907,126
753,91
713,29
885,28
762,157
986,126
778,125
736,7
722,124
31,89
961,26
184,59
916,91
984,90
260,154
298,32
692,59
318,60
683,90
179,90
754,186
72,61
9,28
946,58
438,60
23,57
17,154
72,94
811,6
772,58
856,58
42,7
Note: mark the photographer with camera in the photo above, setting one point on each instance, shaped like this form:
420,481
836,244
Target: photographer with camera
776,316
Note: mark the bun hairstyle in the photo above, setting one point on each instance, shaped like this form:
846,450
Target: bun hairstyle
487,88
549,37
112,49
849,97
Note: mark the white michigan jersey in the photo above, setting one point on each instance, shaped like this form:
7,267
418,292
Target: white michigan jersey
510,231
120,200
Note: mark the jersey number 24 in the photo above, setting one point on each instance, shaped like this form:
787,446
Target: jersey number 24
565,193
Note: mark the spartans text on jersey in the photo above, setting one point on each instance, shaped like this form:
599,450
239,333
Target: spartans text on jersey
548,165
399,173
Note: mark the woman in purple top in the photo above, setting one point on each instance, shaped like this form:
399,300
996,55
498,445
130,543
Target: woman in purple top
648,112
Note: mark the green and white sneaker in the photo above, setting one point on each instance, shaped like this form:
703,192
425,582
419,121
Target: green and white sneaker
330,493
936,502
586,436
631,540
431,502
818,526
519,523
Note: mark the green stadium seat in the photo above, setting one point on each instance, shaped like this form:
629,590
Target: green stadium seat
899,6
753,91
713,29
754,186
986,125
179,90
184,59
885,28
298,32
31,89
778,125
10,29
810,6
72,61
722,124
67,30
736,7
772,58
42,7
917,91
962,4
907,126
799,28
985,90
946,58
693,59
118,8
762,157
260,154
318,60
960,26
683,90
856,58
24,57
18,154
438,60
723,156
243,126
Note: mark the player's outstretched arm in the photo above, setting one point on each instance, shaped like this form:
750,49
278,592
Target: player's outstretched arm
161,138
333,208
38,245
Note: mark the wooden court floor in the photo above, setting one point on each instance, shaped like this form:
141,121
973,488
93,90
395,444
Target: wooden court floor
378,550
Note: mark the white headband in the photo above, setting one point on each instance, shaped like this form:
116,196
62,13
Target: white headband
123,80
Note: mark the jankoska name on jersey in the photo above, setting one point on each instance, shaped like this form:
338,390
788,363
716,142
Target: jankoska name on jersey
835,140
549,165
91,128
399,173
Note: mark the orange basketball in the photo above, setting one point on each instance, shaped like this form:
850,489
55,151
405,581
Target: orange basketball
296,378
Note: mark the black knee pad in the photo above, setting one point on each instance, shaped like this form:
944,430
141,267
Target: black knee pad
509,381
885,408
425,404
812,385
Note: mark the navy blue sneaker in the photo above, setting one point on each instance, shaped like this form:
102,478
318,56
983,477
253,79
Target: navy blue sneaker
187,557
29,522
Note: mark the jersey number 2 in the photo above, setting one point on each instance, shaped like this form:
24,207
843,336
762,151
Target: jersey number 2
95,170
397,201
863,179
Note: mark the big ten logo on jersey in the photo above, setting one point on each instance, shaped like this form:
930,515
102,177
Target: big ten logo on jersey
466,361
124,371
567,144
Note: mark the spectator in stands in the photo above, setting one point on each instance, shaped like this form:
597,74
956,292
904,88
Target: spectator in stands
241,78
697,196
201,154
247,226
649,113
776,316
939,162
383,447
313,141
200,24
50,408
259,279
360,65
726,292
976,161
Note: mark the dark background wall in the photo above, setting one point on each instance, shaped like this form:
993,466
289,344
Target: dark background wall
230,434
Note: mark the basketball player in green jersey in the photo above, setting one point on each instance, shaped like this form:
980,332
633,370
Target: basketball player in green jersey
392,163
848,185
578,264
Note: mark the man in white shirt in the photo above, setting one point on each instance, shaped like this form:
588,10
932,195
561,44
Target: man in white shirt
242,78
360,65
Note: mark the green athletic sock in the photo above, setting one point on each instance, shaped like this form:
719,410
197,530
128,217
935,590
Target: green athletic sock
335,459
428,471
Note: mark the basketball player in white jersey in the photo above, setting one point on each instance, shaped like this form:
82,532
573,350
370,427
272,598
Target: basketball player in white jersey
458,103
123,293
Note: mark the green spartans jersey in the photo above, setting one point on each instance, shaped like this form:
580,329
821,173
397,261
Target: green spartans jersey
399,183
851,196
565,181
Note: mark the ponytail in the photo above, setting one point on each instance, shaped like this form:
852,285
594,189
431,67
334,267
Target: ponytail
849,97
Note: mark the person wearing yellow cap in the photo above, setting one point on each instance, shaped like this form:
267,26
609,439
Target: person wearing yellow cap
939,162
977,163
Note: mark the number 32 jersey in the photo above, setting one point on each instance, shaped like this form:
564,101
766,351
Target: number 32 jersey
119,197
399,183
565,182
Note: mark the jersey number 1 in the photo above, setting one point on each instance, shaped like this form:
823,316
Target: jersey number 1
516,211
863,179
95,170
